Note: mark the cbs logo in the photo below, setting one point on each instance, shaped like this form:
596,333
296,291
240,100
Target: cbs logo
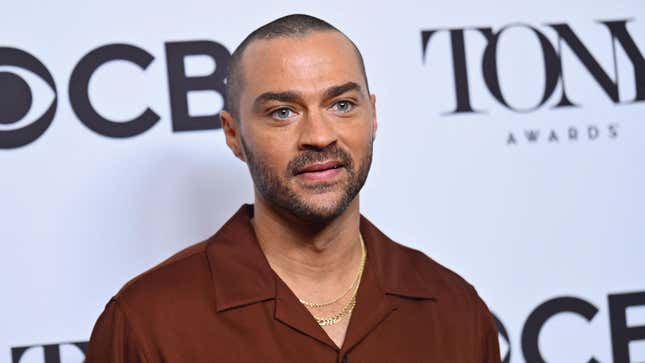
16,98
18,104
621,332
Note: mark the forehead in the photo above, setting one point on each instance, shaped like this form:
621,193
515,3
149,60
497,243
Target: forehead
302,63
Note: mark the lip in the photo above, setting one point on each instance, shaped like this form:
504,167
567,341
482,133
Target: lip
321,172
320,167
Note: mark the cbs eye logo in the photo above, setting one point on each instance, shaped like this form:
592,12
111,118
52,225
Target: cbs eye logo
20,70
16,98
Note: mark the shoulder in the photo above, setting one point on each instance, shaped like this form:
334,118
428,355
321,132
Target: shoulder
443,280
447,300
142,307
178,278
409,272
455,297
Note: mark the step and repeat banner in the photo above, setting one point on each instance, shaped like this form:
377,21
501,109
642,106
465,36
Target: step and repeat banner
511,148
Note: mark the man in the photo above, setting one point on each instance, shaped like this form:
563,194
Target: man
300,276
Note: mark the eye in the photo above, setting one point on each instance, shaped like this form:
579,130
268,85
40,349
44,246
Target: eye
343,106
26,84
282,113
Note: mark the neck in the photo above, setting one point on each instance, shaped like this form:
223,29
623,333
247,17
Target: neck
315,260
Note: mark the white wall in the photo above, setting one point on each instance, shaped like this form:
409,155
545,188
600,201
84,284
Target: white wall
82,213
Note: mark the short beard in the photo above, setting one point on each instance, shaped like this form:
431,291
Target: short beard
276,192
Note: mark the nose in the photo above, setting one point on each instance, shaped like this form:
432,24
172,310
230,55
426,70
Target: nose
316,131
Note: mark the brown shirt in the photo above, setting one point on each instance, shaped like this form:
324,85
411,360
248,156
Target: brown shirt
220,301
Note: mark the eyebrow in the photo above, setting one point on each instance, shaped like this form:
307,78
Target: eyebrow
287,96
335,91
293,97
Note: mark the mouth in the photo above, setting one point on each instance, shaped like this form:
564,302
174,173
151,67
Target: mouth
321,171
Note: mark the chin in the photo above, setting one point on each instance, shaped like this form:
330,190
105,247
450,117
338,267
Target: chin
317,215
319,208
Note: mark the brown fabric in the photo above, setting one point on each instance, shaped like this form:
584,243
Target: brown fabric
219,301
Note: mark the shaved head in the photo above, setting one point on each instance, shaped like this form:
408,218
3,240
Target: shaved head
295,25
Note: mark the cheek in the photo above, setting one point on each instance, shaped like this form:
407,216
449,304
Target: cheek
358,141
272,151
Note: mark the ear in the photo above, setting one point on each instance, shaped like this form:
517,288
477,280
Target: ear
374,120
232,133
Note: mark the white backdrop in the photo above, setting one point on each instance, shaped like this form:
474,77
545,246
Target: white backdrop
525,222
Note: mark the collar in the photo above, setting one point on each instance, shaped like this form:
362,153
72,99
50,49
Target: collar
242,275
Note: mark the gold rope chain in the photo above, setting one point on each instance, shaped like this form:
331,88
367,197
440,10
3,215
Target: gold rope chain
331,320
357,280
347,309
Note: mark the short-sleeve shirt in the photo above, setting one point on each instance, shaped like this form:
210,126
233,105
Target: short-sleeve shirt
220,301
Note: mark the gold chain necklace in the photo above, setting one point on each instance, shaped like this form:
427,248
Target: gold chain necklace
331,320
352,287
347,309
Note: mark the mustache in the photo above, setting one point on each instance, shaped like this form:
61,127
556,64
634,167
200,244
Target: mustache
332,152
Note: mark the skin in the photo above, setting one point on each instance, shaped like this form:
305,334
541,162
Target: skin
305,223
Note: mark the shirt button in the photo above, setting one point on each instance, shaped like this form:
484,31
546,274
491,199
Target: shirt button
344,359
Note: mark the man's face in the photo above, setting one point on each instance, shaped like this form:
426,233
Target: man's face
306,123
